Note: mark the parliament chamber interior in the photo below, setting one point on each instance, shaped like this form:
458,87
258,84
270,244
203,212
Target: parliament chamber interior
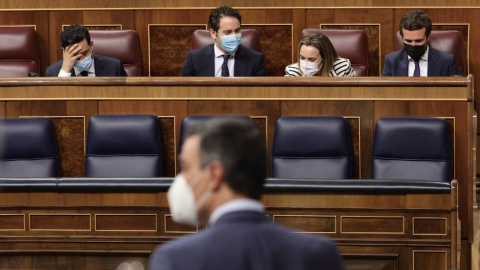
385,166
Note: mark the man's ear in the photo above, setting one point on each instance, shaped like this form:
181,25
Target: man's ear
217,175
213,34
91,44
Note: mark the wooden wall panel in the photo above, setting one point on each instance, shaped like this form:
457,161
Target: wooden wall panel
40,20
93,18
208,4
70,119
176,110
362,18
270,109
2,109
170,18
351,109
168,47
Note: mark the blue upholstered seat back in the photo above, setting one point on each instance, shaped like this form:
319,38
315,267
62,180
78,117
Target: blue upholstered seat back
28,148
124,146
312,147
412,148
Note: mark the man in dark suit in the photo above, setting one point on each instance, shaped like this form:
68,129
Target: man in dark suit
223,165
79,59
226,57
417,58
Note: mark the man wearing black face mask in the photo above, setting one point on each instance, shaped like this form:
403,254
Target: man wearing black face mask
417,59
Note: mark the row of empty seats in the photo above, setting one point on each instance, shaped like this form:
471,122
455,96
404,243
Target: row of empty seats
303,147
19,52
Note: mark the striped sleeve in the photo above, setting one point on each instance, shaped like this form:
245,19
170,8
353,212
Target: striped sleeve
342,68
292,71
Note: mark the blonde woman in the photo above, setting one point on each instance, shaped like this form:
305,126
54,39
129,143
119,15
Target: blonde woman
317,57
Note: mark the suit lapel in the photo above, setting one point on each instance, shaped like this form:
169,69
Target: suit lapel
403,65
209,61
98,64
433,63
240,65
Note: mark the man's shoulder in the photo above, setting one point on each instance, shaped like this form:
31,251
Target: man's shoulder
106,59
202,50
440,54
248,51
395,54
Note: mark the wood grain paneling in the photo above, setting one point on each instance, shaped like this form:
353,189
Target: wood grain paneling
168,47
271,109
57,19
277,46
126,222
360,113
360,262
170,125
70,119
373,38
174,227
429,226
37,18
372,225
59,222
429,259
308,223
12,222
2,109
375,34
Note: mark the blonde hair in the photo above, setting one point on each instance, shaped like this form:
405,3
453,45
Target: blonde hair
325,48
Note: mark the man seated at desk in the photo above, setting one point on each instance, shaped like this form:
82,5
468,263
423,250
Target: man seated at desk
417,59
79,59
226,57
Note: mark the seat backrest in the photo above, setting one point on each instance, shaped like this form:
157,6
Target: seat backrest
448,41
28,148
412,148
19,53
250,39
349,43
124,146
312,147
120,44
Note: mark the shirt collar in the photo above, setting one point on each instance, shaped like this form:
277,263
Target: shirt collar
91,70
234,206
219,53
423,57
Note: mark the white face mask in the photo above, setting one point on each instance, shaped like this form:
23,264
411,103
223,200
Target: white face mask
181,200
309,68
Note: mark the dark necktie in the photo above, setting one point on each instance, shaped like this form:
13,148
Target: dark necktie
84,73
416,72
225,72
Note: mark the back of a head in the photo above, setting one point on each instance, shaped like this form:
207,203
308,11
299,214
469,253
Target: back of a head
74,34
239,146
416,20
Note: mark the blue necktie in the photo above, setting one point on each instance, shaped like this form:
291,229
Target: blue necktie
225,72
416,72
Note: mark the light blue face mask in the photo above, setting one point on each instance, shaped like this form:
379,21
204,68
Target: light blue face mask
85,64
230,43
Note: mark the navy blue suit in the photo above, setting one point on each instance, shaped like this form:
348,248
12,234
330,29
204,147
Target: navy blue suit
439,64
247,240
201,63
104,67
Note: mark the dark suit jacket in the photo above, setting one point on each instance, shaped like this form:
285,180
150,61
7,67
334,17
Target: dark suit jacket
439,64
104,67
247,240
201,62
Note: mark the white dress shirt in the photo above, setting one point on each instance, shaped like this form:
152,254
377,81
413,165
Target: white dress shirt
234,206
91,71
219,62
423,62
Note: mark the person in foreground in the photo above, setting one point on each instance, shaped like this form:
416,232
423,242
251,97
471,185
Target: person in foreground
223,165
319,58
79,59
226,57
417,59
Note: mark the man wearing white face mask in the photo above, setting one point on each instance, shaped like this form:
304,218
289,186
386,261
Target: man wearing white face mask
223,165
79,58
226,57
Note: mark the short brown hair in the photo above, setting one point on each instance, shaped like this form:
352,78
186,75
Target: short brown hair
220,12
416,20
324,46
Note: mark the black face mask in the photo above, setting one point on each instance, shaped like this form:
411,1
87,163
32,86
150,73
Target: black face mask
415,52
